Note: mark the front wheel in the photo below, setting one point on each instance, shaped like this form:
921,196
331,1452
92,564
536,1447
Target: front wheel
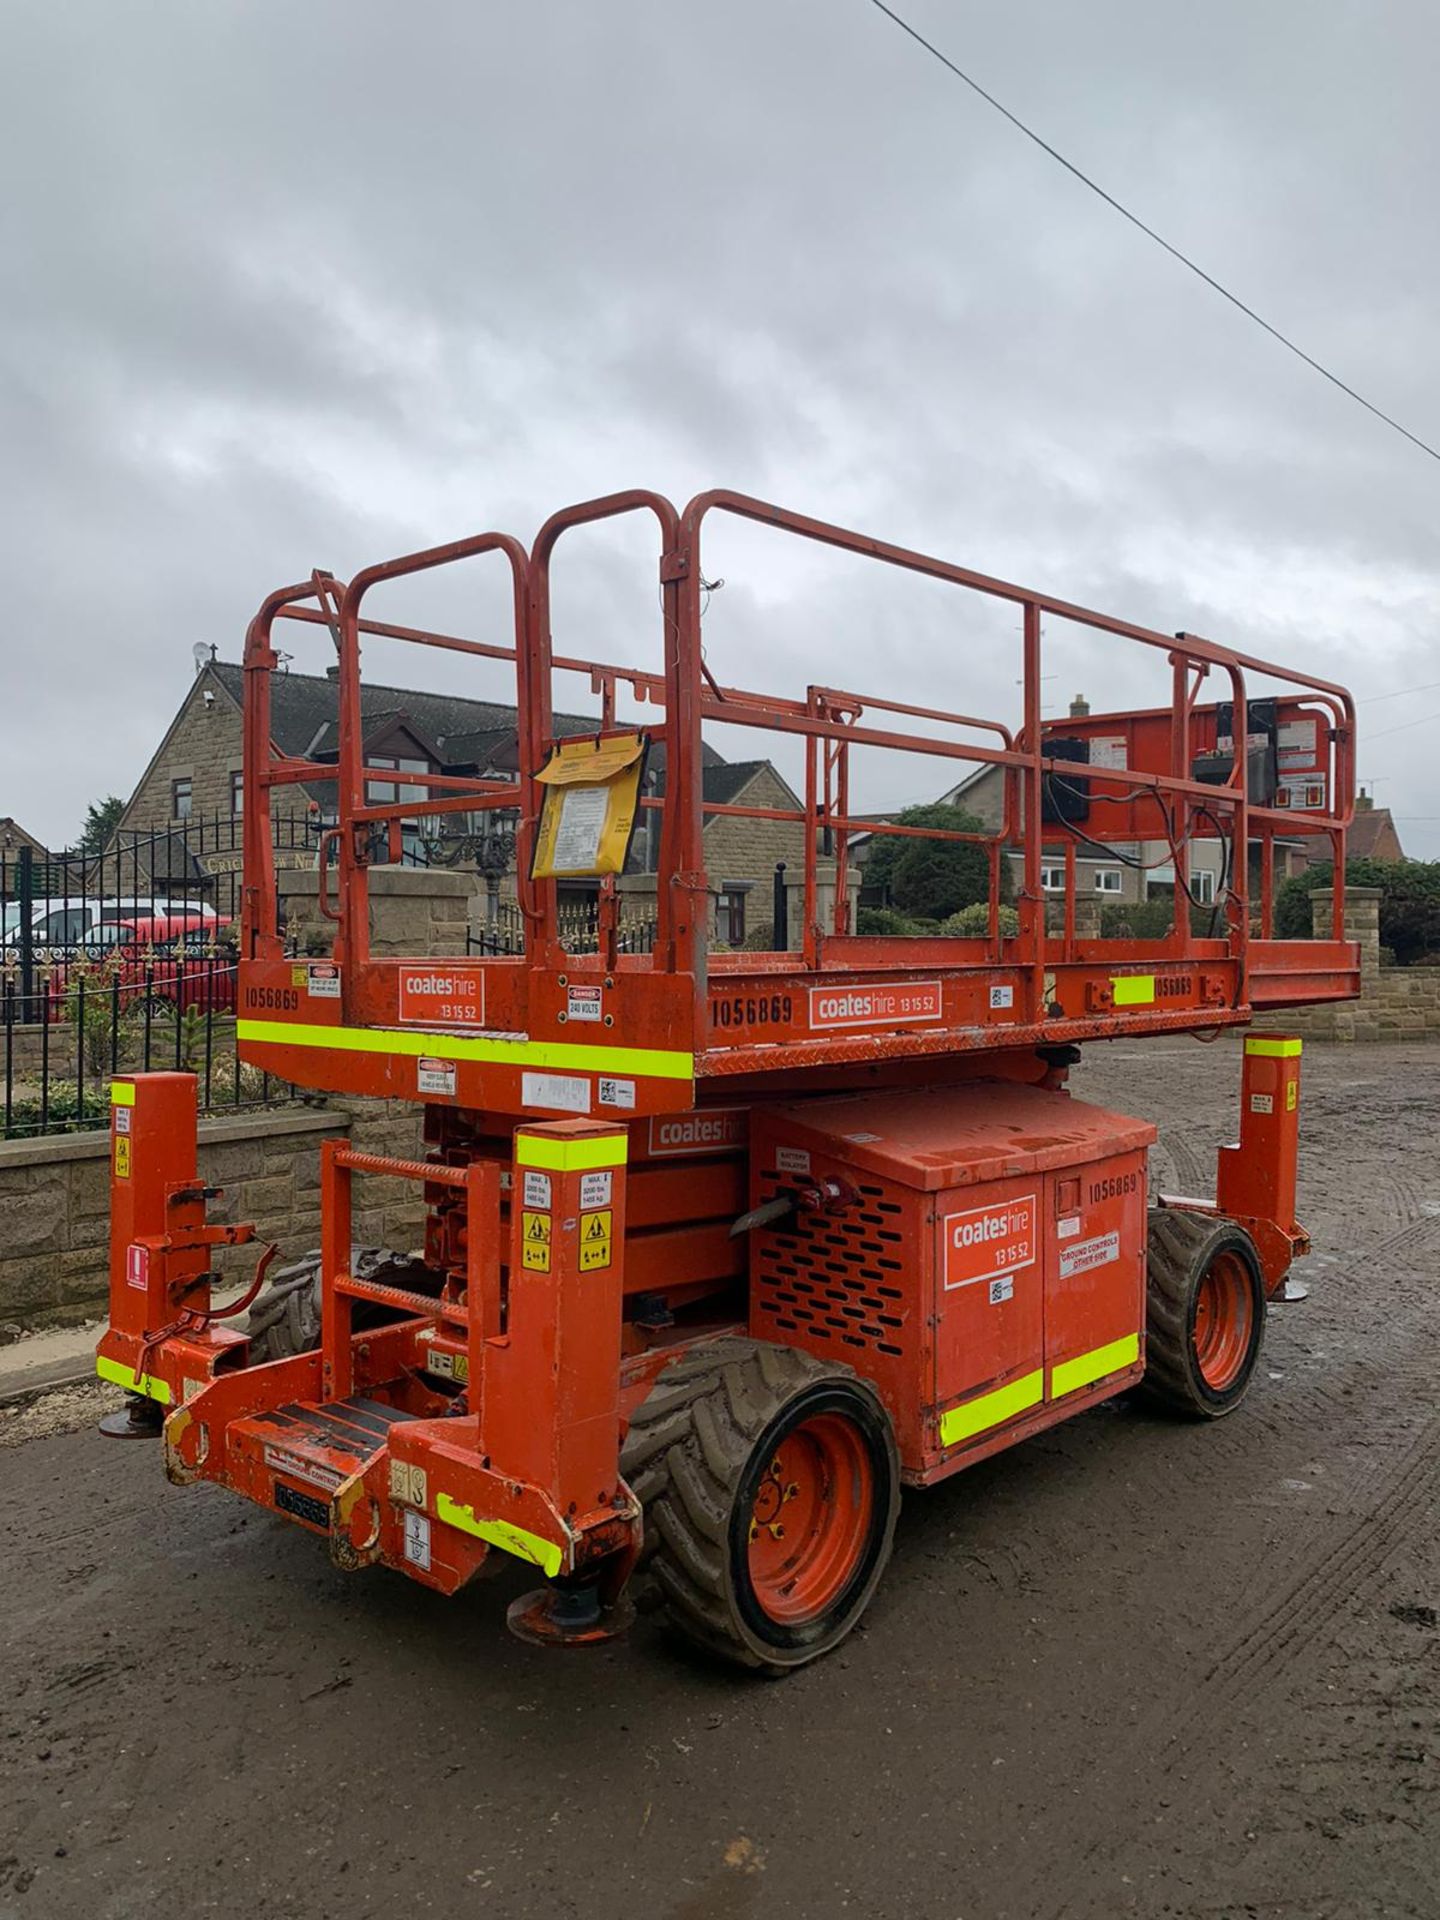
1204,1313
771,1486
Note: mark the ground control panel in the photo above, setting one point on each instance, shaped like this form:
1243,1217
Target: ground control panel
979,1252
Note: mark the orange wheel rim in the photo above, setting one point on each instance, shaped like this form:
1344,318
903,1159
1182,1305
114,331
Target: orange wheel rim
810,1519
1224,1321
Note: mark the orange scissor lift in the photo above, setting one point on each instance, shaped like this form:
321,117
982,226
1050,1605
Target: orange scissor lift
723,1248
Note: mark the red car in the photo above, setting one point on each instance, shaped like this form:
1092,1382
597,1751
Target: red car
171,960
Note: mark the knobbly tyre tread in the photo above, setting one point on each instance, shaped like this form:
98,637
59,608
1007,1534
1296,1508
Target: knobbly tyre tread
684,1457
1180,1245
285,1320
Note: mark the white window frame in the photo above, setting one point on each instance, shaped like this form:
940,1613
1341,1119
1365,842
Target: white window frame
386,793
1109,880
1052,879
1202,886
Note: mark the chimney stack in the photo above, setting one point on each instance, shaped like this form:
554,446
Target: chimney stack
1079,707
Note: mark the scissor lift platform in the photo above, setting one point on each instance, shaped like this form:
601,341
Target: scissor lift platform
722,1247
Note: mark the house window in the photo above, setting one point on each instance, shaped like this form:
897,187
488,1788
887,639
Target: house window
1202,886
385,793
180,796
730,916
1052,879
1108,880
237,793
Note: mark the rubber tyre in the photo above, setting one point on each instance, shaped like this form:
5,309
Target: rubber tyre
1183,1248
698,1457
285,1320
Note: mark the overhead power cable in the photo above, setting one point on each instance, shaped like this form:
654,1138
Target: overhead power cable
1149,232
1399,693
1425,720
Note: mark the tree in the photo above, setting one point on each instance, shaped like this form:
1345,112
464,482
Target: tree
932,879
1409,903
101,820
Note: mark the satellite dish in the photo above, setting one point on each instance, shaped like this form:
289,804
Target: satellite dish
200,653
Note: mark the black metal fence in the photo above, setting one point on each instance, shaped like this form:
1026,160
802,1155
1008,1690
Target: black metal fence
125,962
579,928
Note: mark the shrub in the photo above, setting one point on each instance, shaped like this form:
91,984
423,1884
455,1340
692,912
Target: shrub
884,920
1409,903
975,919
933,878
1153,919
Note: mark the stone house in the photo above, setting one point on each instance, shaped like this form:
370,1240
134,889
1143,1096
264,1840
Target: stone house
13,837
1373,835
190,796
1130,871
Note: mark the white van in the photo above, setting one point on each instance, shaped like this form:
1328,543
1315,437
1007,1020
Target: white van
72,923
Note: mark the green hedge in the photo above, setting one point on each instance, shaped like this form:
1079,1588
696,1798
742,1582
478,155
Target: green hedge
1409,904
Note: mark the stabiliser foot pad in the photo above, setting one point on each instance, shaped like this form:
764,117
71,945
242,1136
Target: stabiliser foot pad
567,1617
138,1419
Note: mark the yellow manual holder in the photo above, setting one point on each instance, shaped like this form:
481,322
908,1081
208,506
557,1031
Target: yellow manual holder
592,790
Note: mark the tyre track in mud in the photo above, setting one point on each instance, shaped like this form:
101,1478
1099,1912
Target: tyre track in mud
1280,1626
1120,1614
1275,1634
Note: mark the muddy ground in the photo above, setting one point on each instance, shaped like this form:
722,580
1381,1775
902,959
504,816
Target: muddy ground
1128,1668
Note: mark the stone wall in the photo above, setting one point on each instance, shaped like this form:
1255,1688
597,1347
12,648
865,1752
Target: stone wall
55,1197
1396,1003
413,910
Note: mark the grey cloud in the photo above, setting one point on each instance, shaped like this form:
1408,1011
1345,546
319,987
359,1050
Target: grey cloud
292,286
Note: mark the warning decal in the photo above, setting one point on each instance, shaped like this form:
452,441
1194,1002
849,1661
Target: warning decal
595,1237
535,1241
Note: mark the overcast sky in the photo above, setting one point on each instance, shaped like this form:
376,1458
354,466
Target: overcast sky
313,284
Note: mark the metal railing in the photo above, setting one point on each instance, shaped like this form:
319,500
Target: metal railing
124,961
577,926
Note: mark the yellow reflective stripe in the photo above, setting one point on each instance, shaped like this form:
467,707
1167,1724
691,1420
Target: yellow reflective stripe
1088,1367
992,1408
1133,989
1274,1049
653,1063
560,1155
500,1533
124,1376
122,1093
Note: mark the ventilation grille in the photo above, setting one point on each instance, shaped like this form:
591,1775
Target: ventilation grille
837,1278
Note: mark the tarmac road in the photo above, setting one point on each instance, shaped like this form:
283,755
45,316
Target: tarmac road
1129,1668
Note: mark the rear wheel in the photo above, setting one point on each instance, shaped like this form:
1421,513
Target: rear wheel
285,1320
771,1485
1205,1313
